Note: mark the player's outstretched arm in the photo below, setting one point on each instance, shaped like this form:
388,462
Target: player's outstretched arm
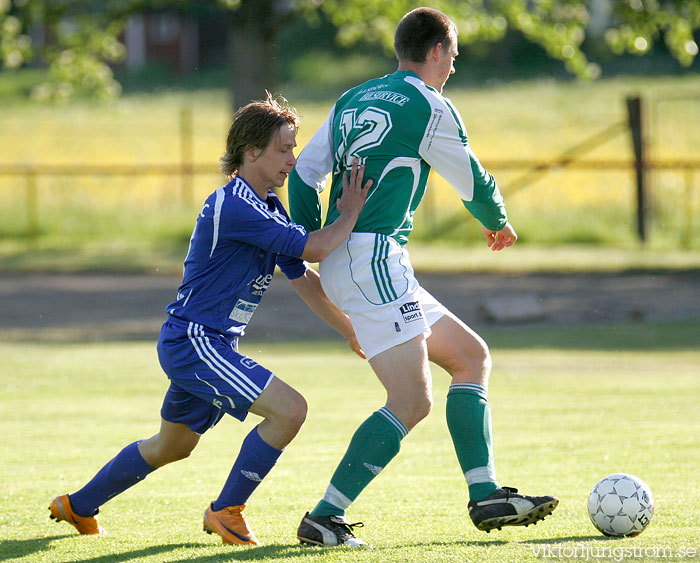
498,240
324,241
309,289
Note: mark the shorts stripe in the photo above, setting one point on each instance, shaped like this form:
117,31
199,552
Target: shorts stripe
214,364
216,391
391,417
239,375
219,365
376,273
385,265
242,380
380,269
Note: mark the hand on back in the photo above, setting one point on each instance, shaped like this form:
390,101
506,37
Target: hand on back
354,193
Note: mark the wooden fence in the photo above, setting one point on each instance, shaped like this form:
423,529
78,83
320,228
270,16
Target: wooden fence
641,165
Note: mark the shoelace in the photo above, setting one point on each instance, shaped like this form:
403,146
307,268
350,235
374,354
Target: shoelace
509,491
347,526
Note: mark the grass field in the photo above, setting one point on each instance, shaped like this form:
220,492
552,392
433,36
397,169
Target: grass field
570,406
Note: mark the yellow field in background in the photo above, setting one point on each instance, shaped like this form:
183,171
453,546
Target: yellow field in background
531,121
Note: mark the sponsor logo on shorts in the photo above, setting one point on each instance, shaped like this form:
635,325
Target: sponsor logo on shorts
249,363
411,311
218,404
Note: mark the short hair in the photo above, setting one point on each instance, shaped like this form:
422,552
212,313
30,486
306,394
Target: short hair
419,31
254,126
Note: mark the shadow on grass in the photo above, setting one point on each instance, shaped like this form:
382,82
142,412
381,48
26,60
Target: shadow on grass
265,552
39,550
23,548
14,549
568,539
137,554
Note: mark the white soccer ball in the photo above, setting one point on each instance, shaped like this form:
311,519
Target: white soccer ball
621,505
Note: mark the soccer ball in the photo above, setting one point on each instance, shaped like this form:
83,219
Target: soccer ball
621,505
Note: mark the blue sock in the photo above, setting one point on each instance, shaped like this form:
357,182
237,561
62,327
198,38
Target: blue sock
126,469
253,463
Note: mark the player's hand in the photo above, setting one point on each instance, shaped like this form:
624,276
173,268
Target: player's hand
498,240
354,193
355,346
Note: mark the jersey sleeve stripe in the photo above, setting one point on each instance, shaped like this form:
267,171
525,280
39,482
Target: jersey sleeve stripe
218,204
243,192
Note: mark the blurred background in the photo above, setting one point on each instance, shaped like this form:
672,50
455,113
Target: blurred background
113,116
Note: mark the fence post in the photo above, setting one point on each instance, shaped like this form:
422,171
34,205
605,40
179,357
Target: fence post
186,157
687,234
644,198
31,205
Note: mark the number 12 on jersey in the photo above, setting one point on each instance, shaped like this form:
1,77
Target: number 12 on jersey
360,132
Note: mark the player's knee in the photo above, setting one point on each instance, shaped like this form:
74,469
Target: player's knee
161,453
412,412
181,452
295,412
484,355
423,408
474,360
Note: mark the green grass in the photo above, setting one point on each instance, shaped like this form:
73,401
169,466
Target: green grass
570,406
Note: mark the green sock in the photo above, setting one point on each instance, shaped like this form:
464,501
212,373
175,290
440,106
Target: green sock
374,445
469,421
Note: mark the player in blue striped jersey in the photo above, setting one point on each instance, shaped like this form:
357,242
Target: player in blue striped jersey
242,233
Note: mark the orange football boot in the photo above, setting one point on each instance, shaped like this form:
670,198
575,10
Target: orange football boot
230,524
61,509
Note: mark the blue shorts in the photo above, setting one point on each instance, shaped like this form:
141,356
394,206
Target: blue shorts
208,377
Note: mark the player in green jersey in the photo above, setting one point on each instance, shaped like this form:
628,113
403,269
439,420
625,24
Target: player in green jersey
400,126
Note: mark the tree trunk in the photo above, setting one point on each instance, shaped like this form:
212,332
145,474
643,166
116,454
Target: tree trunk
253,50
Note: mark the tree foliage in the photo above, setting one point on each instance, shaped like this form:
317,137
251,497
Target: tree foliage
559,26
81,36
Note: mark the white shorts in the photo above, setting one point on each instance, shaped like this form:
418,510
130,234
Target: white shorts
370,278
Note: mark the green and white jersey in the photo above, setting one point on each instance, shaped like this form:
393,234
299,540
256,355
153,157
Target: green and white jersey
399,128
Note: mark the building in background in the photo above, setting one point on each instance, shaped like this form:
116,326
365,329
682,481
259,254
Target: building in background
181,41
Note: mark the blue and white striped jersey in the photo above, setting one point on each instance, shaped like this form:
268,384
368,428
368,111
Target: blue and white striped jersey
236,243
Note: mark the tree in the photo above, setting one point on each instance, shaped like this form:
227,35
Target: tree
83,34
